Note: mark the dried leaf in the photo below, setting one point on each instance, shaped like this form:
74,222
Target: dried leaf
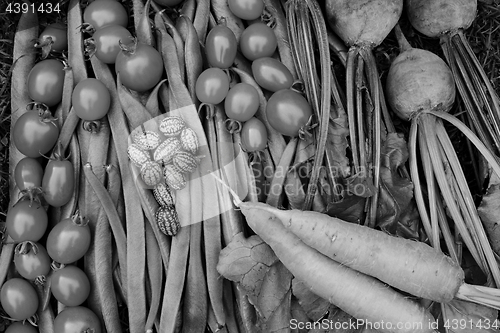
396,192
466,317
337,142
489,211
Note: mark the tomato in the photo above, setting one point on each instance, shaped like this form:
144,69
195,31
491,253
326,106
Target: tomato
103,13
271,74
212,86
20,327
168,3
35,135
287,112
242,102
55,35
140,67
221,47
257,41
68,241
77,319
25,223
70,285
253,135
33,264
19,299
28,173
91,99
105,42
58,182
45,82
246,9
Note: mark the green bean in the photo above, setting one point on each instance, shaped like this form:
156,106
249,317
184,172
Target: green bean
188,9
194,58
136,113
136,251
75,42
179,45
104,274
142,25
152,104
174,284
273,7
46,316
220,9
195,305
155,273
170,58
201,17
24,59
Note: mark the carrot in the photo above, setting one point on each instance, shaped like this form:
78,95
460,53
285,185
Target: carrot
357,294
411,266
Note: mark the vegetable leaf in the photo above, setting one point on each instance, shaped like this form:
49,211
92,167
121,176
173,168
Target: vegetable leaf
337,142
262,277
350,209
473,318
396,192
314,306
489,211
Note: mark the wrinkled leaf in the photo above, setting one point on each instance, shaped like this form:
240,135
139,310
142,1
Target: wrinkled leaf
489,212
337,142
299,315
273,301
246,261
396,192
466,317
314,306
350,209
262,277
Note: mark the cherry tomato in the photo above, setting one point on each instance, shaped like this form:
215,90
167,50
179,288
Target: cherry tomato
287,112
105,42
246,9
25,223
68,241
77,319
140,69
35,135
28,173
257,41
91,99
58,182
221,47
33,264
19,299
20,327
271,74
212,86
242,102
45,82
168,3
58,34
103,13
70,285
253,135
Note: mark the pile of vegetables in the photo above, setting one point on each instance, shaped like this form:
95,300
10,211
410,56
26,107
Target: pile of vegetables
240,166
